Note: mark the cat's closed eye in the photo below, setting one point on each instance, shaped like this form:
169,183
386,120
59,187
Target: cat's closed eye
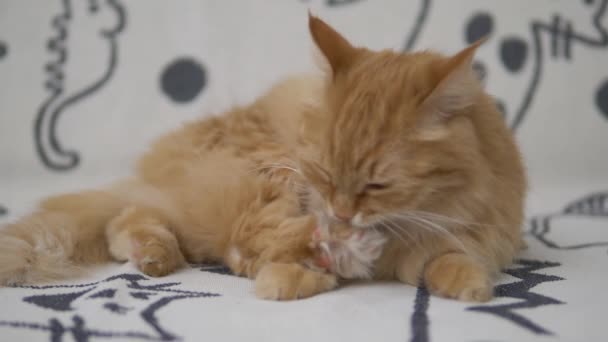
375,187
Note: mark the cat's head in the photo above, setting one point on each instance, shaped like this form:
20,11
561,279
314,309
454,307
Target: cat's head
392,132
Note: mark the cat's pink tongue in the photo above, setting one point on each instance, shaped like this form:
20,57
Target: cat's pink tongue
323,261
316,234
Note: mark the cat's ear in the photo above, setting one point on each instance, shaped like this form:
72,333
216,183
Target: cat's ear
457,84
336,49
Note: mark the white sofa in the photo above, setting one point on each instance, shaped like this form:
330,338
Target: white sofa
85,85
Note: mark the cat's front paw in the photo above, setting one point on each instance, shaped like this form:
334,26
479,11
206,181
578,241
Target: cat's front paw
277,281
458,276
157,259
354,256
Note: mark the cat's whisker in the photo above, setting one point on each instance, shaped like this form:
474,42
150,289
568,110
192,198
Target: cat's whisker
299,184
461,222
433,227
409,219
276,166
394,232
411,235
431,219
444,231
398,228
298,187
289,166
375,229
404,230
439,217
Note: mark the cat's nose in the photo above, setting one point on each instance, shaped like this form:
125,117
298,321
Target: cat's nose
342,208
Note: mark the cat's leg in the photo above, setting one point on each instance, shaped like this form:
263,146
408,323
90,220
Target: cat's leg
283,280
348,256
57,240
446,272
277,255
280,276
287,281
347,253
459,276
142,235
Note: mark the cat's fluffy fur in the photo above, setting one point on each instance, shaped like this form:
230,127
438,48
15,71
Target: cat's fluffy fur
401,160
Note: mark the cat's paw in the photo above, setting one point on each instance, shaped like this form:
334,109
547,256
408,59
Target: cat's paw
155,258
354,256
277,281
457,276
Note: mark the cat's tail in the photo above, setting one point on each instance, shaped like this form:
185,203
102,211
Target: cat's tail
54,242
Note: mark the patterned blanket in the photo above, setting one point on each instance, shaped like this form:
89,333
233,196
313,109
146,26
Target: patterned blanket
85,85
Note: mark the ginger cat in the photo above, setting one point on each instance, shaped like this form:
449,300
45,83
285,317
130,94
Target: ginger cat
392,166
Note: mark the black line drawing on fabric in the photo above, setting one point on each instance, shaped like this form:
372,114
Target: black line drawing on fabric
3,50
56,302
213,268
522,290
117,308
481,24
69,321
549,39
337,2
593,206
183,79
109,18
340,2
107,293
421,18
419,322
601,98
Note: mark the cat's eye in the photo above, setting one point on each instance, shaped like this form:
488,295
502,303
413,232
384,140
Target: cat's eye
375,186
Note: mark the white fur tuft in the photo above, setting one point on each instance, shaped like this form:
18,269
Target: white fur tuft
355,257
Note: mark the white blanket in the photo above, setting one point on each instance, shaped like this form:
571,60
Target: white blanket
85,85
